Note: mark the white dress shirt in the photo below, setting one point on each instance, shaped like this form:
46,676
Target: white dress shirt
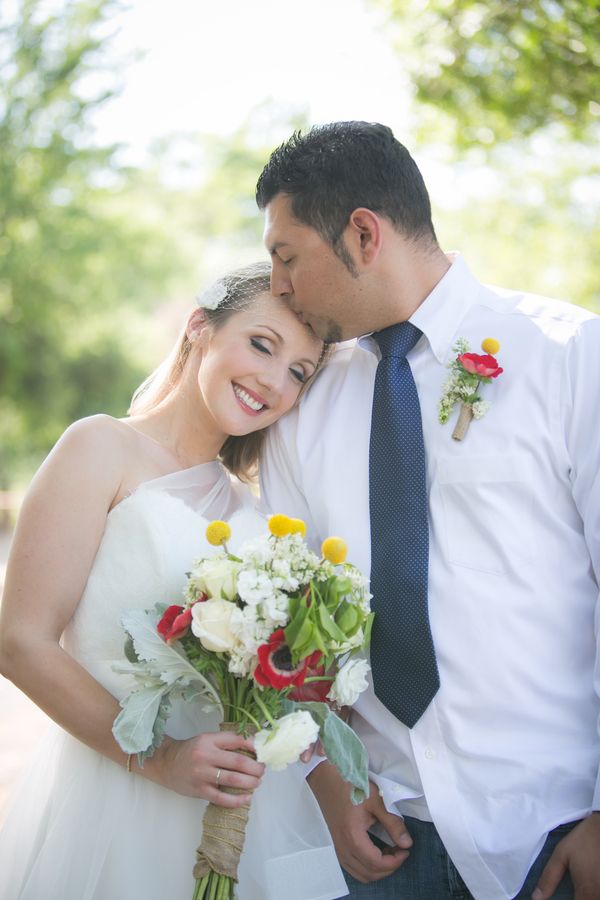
509,747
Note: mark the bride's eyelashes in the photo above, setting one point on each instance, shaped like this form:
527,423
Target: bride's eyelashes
298,374
258,346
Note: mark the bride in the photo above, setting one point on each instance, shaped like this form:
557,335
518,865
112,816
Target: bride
111,521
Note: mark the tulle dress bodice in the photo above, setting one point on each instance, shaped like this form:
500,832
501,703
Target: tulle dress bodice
82,827
150,539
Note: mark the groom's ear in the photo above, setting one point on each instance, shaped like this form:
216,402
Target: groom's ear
364,234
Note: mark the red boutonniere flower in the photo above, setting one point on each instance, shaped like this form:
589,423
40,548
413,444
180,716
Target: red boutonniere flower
275,668
484,366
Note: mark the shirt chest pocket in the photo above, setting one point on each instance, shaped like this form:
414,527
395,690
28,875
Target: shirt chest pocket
486,512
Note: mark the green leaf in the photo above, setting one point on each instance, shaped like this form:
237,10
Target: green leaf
341,586
328,625
293,629
304,635
368,627
129,650
341,744
159,659
293,607
133,728
347,752
348,617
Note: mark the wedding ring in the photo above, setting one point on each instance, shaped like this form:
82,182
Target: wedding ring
218,776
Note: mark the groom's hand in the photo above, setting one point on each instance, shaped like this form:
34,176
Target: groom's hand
349,826
577,853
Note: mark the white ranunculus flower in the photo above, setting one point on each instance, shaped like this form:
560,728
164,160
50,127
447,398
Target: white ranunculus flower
349,682
218,577
282,745
213,623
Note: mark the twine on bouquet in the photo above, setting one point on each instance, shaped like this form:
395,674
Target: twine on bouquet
223,831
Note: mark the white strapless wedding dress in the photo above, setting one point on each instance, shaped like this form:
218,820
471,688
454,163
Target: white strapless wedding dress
83,828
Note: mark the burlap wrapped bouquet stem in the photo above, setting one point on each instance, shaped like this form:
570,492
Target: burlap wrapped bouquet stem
223,832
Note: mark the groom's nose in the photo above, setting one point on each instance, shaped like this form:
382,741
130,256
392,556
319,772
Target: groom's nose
281,286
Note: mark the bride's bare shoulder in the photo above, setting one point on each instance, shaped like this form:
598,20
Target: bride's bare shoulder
98,436
95,450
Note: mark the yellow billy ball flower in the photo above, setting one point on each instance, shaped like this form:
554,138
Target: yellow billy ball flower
334,549
280,525
298,527
217,533
490,345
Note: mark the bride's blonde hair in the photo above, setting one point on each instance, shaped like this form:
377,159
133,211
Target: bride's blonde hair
228,295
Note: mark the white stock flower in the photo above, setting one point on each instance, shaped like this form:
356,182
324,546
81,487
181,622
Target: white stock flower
480,407
282,745
275,609
250,631
253,586
213,623
217,577
349,682
258,550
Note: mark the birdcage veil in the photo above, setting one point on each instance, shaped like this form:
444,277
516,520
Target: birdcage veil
237,289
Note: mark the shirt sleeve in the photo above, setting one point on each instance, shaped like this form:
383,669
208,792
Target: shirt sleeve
582,434
281,489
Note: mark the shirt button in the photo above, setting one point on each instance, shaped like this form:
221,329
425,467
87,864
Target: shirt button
430,753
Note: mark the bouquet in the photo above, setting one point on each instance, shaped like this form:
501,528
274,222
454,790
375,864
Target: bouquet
269,637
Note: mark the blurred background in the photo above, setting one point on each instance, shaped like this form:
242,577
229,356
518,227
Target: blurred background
132,135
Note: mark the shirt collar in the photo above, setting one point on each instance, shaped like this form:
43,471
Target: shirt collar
441,312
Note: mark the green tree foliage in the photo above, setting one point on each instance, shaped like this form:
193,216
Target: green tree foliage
213,183
502,69
82,247
528,231
508,99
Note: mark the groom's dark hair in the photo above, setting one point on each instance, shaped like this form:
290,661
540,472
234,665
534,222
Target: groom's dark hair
335,168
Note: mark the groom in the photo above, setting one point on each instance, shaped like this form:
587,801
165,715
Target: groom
484,552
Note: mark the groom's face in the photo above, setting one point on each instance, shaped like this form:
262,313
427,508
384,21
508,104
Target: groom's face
309,276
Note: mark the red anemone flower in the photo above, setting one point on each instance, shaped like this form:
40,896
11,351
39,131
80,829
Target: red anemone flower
314,690
275,668
174,623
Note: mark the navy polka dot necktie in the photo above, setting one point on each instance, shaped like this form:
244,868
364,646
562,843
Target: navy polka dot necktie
405,673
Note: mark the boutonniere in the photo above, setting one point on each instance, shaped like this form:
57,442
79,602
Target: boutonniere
468,371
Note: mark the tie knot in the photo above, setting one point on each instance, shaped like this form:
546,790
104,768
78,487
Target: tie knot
397,340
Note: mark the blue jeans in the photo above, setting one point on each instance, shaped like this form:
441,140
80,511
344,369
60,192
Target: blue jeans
429,874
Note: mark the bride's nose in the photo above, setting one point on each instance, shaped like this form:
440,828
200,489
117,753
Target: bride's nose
271,380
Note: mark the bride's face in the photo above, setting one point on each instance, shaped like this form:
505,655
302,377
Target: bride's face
252,367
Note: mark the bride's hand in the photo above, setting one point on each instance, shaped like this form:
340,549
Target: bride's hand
202,765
